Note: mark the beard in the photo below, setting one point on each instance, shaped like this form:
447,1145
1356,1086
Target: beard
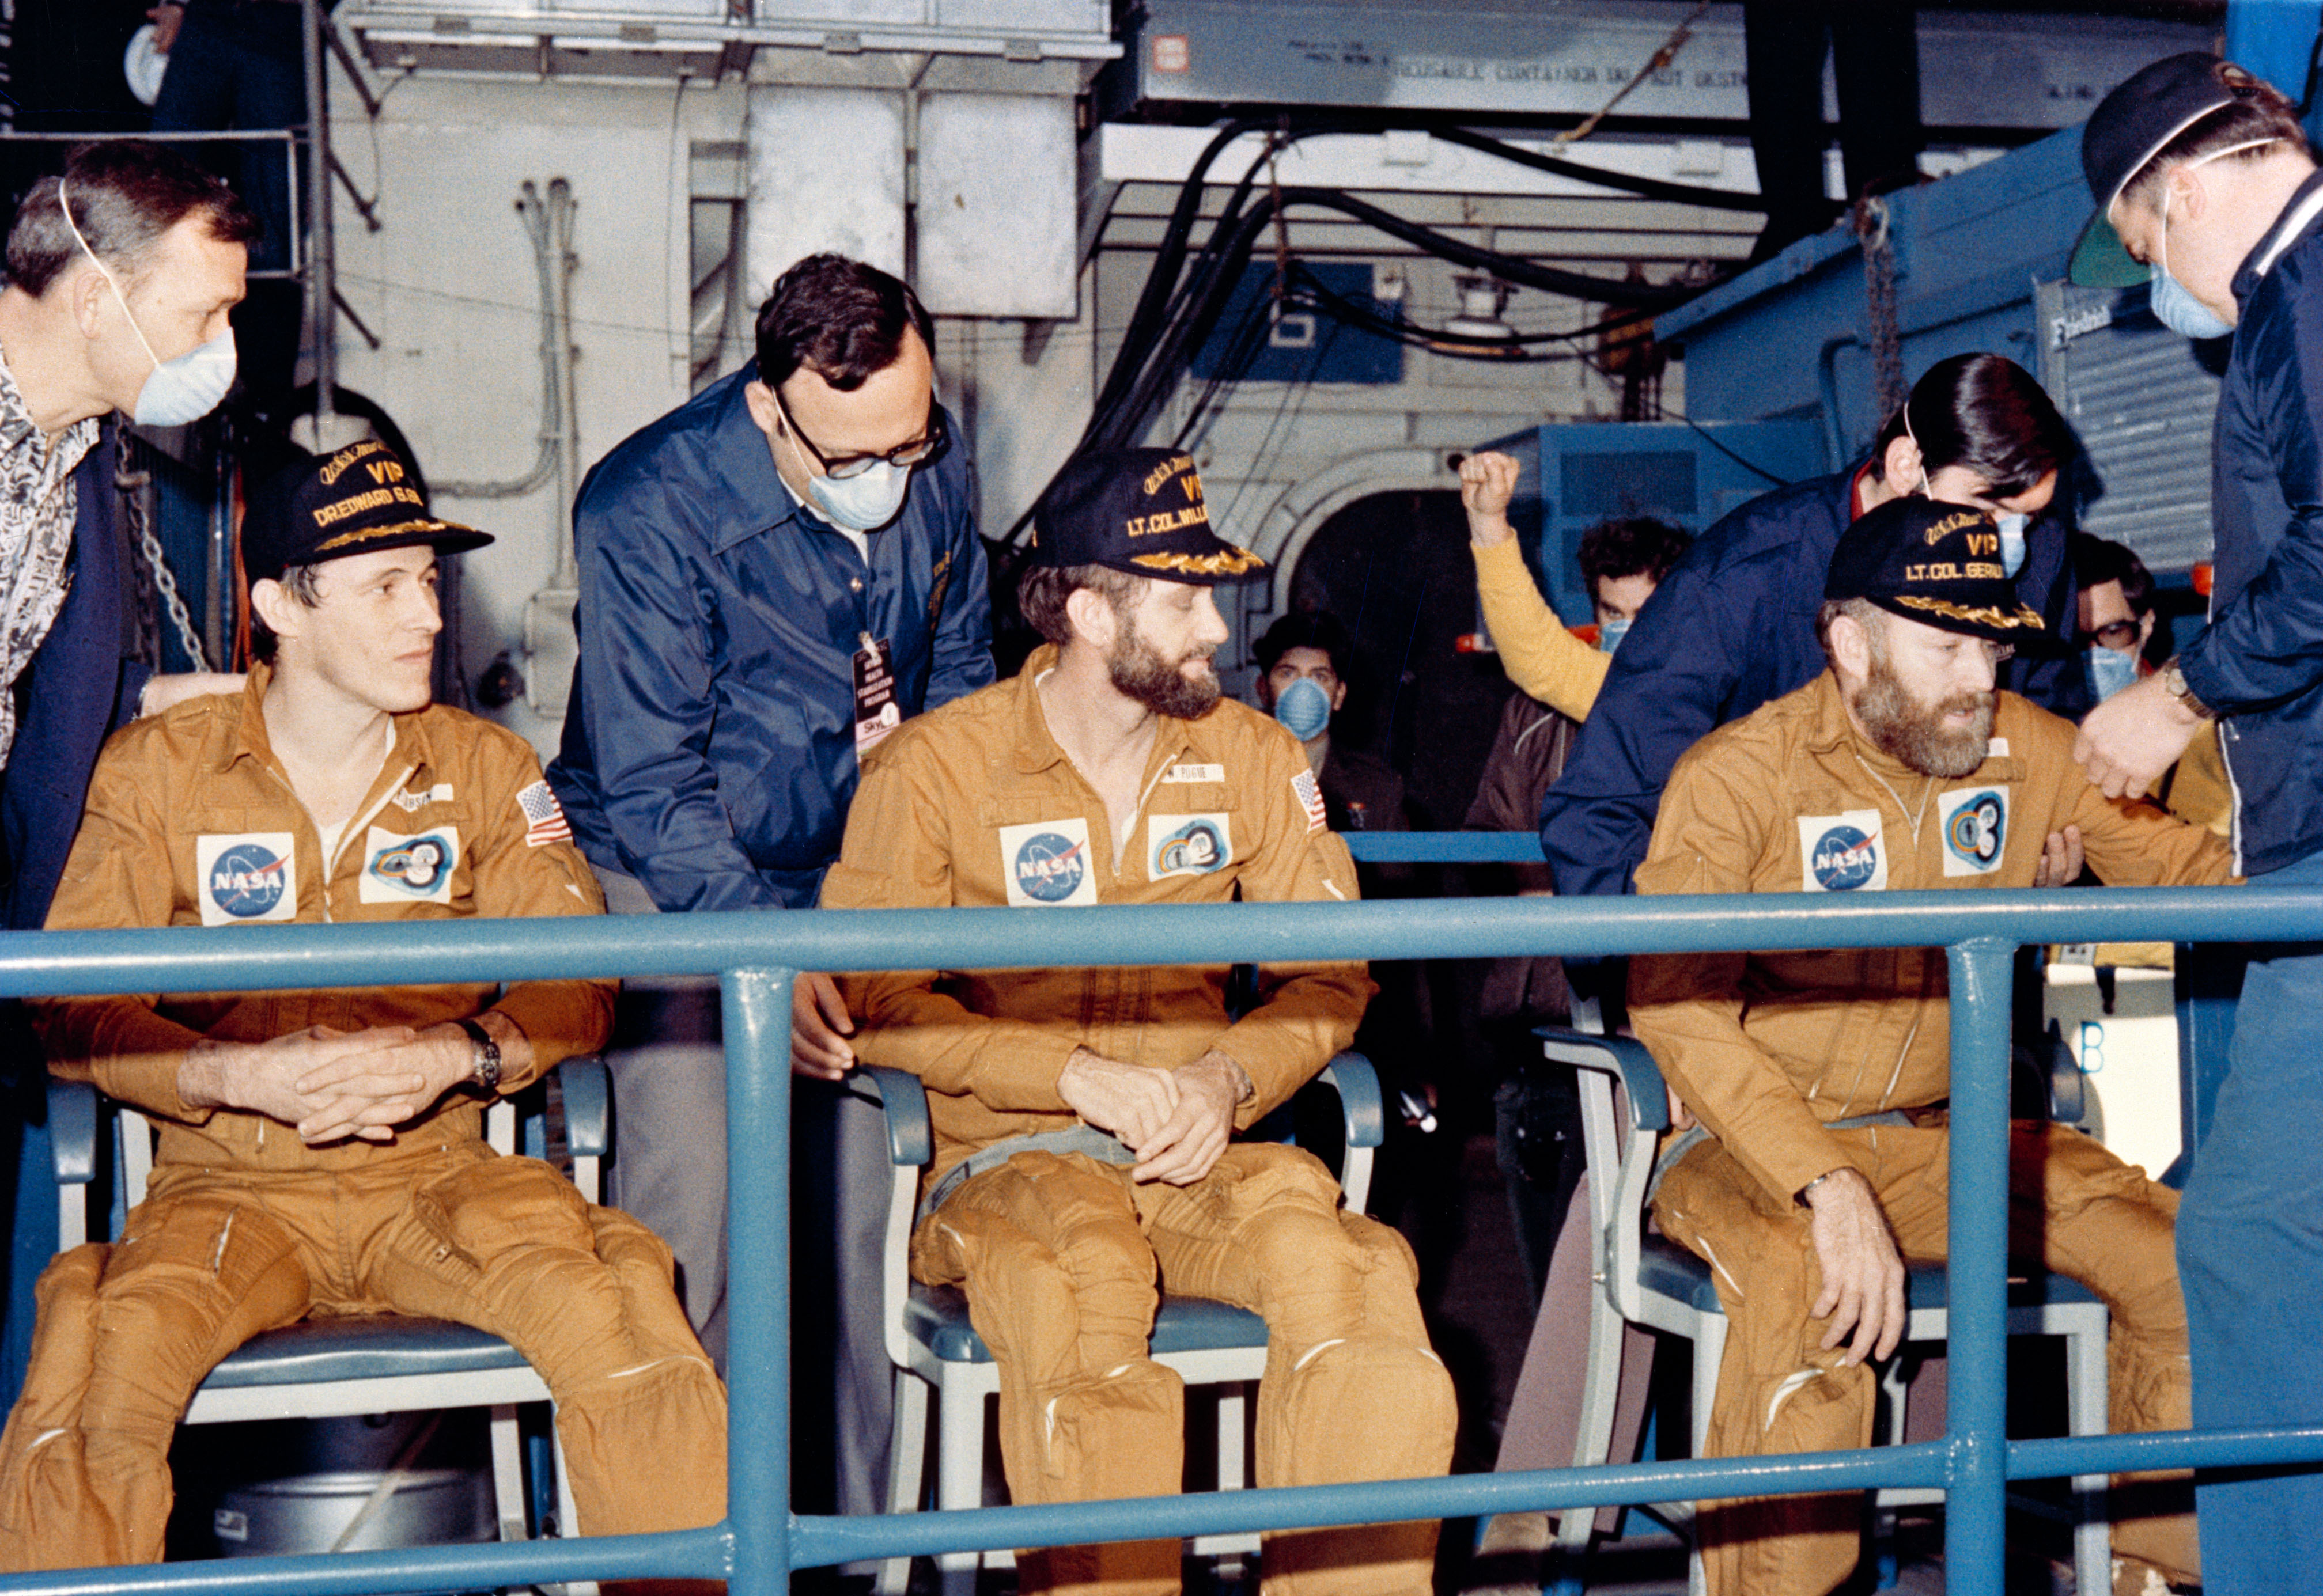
1138,671
1913,732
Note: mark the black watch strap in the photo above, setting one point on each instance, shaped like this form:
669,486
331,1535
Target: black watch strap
486,1079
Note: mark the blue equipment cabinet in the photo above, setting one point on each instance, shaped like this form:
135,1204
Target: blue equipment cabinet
1579,473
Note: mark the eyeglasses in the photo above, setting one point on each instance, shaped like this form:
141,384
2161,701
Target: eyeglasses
919,452
2116,634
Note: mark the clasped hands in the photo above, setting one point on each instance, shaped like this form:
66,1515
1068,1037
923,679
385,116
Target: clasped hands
330,1084
1178,1121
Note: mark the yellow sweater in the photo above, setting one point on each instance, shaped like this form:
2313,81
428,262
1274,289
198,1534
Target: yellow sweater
1539,655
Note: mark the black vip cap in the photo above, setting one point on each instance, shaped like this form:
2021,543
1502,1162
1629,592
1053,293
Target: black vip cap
361,499
1939,564
2130,127
1139,510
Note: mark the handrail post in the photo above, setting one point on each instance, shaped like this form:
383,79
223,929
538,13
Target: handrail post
1977,1389
757,1012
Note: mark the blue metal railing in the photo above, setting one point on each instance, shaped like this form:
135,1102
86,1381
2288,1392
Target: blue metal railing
760,1541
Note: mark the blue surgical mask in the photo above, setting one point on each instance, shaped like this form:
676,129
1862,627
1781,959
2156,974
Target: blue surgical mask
2173,303
2110,671
176,391
861,503
2012,541
1305,708
1610,633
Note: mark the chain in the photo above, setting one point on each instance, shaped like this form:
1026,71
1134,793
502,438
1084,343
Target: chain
165,581
1879,291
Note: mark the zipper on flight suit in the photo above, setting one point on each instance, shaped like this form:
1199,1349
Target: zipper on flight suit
347,831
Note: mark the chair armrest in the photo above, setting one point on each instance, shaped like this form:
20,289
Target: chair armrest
72,1131
588,1107
1361,1106
911,1141
1641,1078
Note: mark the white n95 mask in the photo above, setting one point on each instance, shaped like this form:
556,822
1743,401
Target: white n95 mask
176,391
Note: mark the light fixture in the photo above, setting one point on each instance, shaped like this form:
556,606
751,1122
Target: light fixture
1481,299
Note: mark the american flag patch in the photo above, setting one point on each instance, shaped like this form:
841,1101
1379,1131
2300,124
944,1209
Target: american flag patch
544,816
1311,795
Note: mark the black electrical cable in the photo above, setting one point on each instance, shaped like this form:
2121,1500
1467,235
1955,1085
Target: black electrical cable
1717,199
1114,427
1459,346
1573,285
1176,308
1310,289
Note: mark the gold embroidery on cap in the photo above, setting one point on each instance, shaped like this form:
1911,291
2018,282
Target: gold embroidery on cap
325,514
1950,524
1981,614
370,534
1171,467
1168,520
338,463
1227,562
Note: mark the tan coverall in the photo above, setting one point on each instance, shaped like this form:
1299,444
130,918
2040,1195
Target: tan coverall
1768,1049
245,1228
975,804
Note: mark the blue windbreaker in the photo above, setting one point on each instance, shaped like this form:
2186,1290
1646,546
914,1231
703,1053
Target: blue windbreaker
1730,628
2260,661
709,745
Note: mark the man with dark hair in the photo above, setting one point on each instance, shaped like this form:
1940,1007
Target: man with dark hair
2206,188
1085,1119
322,1152
120,274
1819,1078
773,576
1732,626
1622,563
1361,791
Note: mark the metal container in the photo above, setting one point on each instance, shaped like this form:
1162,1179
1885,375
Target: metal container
311,1512
325,1472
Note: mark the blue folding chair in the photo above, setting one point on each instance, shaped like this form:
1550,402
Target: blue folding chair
935,1348
336,1367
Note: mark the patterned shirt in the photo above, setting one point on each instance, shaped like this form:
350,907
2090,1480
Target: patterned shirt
38,508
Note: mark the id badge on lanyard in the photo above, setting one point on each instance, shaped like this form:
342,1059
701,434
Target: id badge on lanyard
876,713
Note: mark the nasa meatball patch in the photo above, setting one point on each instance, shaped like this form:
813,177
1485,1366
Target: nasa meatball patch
1045,865
1842,852
1976,830
246,878
398,869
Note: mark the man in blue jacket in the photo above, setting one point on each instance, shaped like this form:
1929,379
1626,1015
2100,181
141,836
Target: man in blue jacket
2201,173
773,576
1731,626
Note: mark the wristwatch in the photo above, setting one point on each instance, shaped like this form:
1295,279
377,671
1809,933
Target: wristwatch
486,1078
2174,683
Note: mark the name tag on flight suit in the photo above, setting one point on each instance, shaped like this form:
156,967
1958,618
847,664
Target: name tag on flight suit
877,713
1842,852
246,878
1046,865
1976,830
